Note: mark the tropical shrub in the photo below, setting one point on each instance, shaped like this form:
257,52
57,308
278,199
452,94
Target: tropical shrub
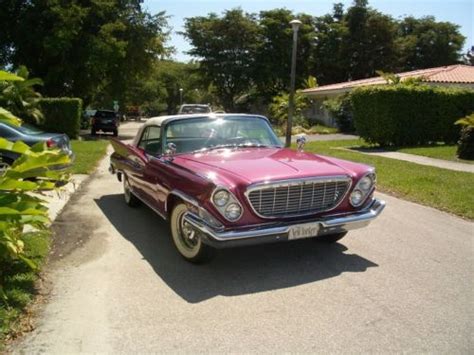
278,109
21,212
19,96
405,115
62,115
340,108
466,141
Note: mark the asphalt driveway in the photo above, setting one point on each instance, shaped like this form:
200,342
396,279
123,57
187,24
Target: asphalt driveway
404,284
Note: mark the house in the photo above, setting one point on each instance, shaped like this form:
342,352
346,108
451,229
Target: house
453,75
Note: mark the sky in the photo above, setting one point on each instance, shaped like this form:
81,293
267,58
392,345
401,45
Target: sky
460,12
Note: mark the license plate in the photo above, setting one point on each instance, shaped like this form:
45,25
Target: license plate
303,231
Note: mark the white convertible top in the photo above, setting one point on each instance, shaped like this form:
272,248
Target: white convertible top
158,121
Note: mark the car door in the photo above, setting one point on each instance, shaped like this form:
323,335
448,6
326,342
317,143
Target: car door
149,180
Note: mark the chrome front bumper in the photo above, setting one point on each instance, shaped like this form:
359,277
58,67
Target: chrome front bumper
279,231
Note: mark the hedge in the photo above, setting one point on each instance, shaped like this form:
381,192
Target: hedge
404,115
62,115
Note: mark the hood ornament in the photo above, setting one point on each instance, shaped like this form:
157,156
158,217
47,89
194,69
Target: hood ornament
300,142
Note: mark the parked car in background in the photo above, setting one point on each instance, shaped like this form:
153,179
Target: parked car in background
107,121
194,108
225,180
133,113
30,135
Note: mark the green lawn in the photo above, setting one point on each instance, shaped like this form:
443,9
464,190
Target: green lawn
19,284
88,154
441,151
447,190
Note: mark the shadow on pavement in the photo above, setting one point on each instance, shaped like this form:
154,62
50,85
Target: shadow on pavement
234,271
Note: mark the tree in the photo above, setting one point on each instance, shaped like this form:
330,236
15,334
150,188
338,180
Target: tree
273,57
226,47
425,43
469,57
369,44
83,48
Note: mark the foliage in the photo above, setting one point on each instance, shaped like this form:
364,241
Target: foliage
86,49
278,109
20,97
466,140
404,115
62,115
469,56
340,108
426,43
33,171
272,64
227,47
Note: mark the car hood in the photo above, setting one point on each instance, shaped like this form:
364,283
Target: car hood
250,165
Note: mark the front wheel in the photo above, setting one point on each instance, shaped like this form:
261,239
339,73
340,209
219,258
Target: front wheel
331,238
115,133
186,239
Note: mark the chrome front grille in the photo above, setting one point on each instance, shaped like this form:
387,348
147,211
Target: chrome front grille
299,197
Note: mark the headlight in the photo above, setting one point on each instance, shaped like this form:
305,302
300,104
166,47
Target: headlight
227,204
362,189
356,197
233,212
221,198
365,183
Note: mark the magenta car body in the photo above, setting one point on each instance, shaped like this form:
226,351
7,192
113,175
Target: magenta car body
235,185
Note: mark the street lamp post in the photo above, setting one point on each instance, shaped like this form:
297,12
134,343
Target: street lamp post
180,96
295,24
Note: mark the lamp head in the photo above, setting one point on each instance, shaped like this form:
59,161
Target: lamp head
295,24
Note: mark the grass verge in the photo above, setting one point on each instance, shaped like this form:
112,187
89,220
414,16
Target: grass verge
441,151
88,154
18,282
444,189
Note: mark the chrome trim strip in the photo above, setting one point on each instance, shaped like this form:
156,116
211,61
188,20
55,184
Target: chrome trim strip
340,223
296,182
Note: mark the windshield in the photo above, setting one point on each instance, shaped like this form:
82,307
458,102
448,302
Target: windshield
207,133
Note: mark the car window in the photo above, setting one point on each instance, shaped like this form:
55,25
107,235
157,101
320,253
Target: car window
151,140
105,114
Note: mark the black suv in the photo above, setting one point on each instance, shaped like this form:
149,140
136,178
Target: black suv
105,121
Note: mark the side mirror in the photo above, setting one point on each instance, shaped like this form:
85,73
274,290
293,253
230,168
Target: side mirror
170,149
300,142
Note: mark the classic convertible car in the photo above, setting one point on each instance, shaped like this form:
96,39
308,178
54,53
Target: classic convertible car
224,180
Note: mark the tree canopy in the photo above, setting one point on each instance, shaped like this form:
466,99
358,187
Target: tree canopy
90,49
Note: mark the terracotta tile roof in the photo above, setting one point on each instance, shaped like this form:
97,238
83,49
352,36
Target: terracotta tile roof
454,74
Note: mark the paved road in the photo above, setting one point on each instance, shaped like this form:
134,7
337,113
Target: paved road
402,284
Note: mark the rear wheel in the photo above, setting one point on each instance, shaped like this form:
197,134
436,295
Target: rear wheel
331,238
93,132
115,133
130,198
186,239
